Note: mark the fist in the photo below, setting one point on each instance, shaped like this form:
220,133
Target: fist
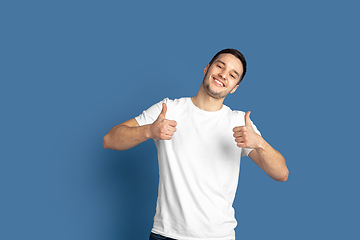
245,136
162,128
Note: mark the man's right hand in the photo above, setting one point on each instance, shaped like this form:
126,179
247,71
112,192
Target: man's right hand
162,128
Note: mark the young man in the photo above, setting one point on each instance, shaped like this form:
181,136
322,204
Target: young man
200,142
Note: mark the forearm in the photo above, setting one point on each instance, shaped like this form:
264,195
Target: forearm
272,162
123,137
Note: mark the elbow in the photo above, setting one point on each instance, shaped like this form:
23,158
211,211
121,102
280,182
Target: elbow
284,176
105,142
109,143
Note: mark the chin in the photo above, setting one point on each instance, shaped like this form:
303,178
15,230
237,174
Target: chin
213,94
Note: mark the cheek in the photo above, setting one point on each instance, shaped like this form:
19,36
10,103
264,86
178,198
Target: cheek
207,76
234,89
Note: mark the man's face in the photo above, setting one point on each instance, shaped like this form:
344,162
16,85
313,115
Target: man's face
222,77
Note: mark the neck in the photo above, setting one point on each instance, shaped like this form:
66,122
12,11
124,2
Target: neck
205,102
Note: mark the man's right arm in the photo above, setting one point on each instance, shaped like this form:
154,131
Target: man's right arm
129,134
126,135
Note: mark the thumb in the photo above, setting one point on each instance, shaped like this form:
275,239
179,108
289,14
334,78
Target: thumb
247,119
164,110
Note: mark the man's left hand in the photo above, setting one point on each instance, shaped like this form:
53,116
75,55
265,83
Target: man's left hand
245,136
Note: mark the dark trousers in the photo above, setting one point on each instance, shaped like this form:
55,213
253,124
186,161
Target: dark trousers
154,236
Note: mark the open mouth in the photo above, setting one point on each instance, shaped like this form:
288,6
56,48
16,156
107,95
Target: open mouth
219,83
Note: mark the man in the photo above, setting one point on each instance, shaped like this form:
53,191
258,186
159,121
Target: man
200,142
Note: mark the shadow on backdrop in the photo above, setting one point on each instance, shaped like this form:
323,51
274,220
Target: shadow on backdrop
133,179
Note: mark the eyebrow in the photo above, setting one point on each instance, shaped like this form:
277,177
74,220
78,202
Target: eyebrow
225,65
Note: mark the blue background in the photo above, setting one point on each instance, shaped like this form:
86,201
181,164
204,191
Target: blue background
71,70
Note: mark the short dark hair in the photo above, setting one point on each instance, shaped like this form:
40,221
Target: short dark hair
237,54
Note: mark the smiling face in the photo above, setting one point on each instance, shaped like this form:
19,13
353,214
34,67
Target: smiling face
222,76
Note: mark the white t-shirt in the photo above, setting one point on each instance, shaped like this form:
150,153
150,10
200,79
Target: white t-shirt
199,170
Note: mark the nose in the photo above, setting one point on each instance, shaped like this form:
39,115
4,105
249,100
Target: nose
222,74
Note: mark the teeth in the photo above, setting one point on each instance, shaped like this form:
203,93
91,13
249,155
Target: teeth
219,82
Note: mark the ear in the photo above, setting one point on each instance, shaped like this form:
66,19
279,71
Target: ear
206,69
234,89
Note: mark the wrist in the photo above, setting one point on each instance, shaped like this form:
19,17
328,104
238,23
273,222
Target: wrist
147,132
261,144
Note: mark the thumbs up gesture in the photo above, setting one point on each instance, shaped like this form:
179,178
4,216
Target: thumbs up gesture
245,136
162,128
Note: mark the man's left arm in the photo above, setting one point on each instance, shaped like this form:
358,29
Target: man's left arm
263,154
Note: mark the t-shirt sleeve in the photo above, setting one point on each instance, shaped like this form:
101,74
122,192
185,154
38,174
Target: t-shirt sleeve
151,114
246,151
